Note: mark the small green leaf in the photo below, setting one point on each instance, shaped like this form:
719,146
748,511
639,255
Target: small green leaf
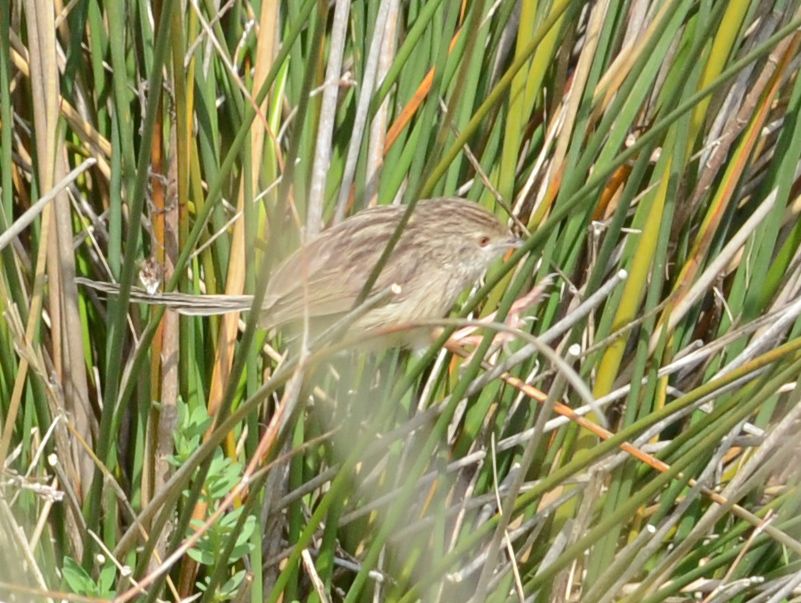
76,578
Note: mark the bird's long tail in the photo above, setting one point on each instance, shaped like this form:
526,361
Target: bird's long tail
183,303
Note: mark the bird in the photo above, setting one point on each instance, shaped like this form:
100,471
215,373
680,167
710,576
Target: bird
445,247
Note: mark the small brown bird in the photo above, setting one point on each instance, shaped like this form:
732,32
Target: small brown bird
445,247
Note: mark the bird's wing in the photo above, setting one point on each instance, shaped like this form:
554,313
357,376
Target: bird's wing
313,283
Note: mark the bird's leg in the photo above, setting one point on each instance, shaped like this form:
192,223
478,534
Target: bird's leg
466,337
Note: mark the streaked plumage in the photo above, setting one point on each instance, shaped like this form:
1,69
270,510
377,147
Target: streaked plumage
438,255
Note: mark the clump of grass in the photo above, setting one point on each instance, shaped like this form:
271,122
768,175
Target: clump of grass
648,151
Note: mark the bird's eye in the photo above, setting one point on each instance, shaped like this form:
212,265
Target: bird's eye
484,241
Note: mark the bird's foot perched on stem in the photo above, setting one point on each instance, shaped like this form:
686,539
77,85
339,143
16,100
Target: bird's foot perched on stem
467,337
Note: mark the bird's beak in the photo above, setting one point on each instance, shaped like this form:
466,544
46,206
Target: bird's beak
510,244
